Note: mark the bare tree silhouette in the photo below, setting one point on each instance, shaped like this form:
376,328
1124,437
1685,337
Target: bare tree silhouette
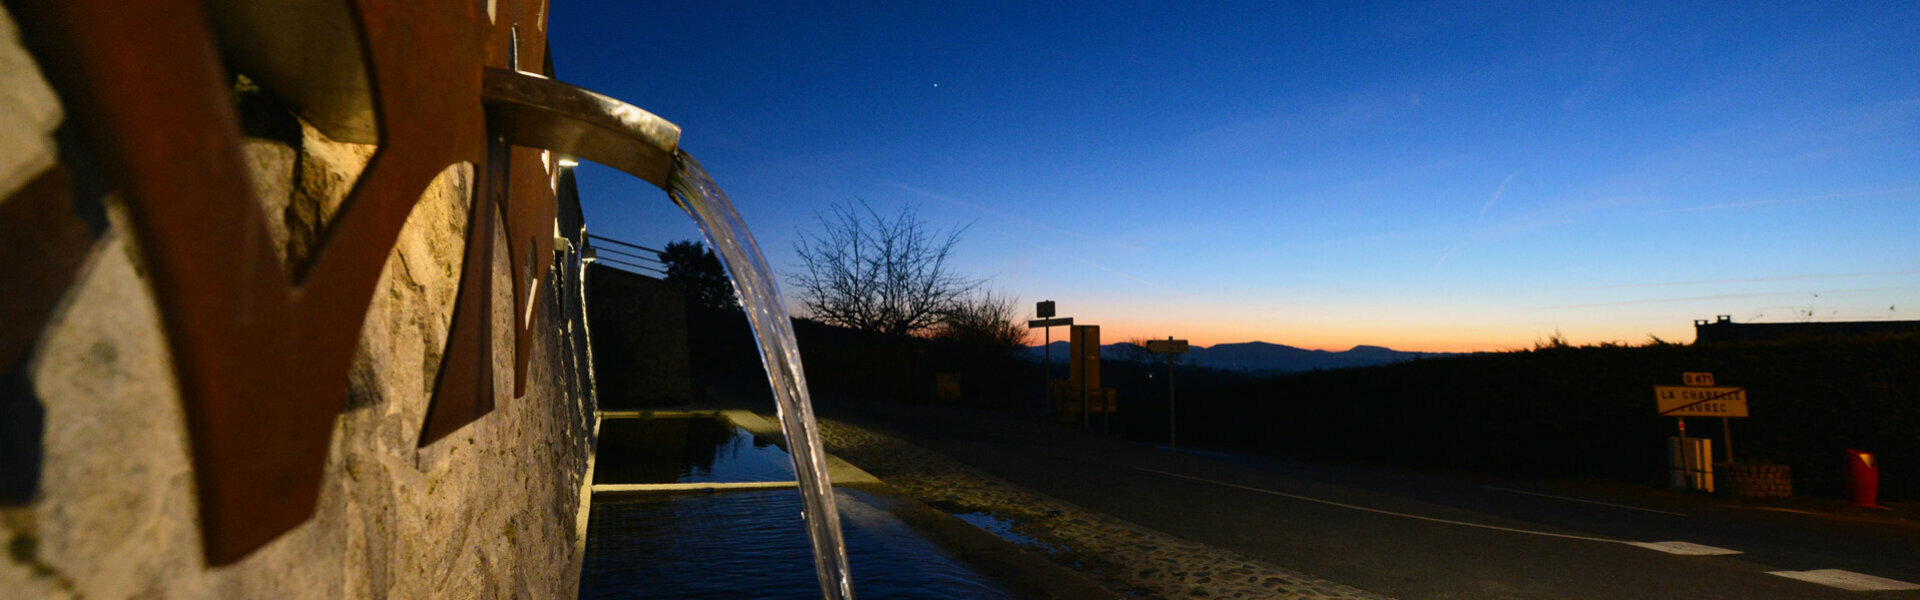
872,272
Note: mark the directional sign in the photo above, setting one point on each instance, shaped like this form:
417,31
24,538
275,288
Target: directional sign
1697,379
1168,346
1043,309
1056,322
1696,401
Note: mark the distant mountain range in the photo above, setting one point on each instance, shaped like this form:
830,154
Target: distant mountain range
1256,357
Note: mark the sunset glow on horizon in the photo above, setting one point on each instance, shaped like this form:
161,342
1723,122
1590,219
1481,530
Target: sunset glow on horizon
1474,177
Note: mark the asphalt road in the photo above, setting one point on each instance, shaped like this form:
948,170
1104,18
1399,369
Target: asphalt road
1413,534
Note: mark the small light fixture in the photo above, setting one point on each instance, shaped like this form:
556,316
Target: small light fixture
568,162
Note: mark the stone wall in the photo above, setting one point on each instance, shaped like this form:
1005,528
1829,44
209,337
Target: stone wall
494,510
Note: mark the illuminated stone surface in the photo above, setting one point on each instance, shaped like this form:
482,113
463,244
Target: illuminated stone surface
487,512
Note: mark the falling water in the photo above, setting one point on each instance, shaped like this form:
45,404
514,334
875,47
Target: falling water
773,332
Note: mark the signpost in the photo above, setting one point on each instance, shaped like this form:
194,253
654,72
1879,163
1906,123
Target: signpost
1169,347
1044,311
1701,398
1680,401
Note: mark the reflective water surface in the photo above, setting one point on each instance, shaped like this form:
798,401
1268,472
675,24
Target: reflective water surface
689,450
749,545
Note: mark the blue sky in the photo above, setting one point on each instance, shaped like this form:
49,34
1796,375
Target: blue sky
1426,177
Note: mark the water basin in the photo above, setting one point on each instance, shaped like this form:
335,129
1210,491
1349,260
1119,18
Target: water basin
742,544
685,450
754,545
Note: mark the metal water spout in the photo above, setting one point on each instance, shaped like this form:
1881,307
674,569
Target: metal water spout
529,110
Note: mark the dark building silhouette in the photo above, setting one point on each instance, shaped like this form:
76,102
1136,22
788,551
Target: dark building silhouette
1722,329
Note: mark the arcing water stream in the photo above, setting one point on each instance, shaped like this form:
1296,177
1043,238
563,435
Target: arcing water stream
696,193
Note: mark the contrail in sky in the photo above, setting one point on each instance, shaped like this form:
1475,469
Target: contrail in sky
1496,193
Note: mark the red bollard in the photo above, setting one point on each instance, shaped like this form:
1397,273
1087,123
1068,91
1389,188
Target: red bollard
1864,476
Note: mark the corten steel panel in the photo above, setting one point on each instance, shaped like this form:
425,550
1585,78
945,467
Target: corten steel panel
306,54
530,210
517,182
517,40
261,356
42,244
463,390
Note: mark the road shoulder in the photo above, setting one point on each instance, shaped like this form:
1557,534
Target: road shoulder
1118,554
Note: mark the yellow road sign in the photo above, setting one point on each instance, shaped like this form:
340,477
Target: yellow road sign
1167,346
1695,401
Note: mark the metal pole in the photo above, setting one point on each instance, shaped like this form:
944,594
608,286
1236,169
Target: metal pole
1086,420
1686,451
1046,374
1726,437
1172,427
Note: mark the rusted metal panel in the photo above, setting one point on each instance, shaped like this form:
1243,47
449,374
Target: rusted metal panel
530,210
463,390
425,62
261,357
43,242
146,85
307,55
517,40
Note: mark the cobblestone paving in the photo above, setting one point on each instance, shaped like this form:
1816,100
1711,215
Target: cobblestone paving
1127,558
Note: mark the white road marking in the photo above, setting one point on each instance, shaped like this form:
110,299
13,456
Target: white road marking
1680,548
1847,580
1385,512
1684,548
1569,499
